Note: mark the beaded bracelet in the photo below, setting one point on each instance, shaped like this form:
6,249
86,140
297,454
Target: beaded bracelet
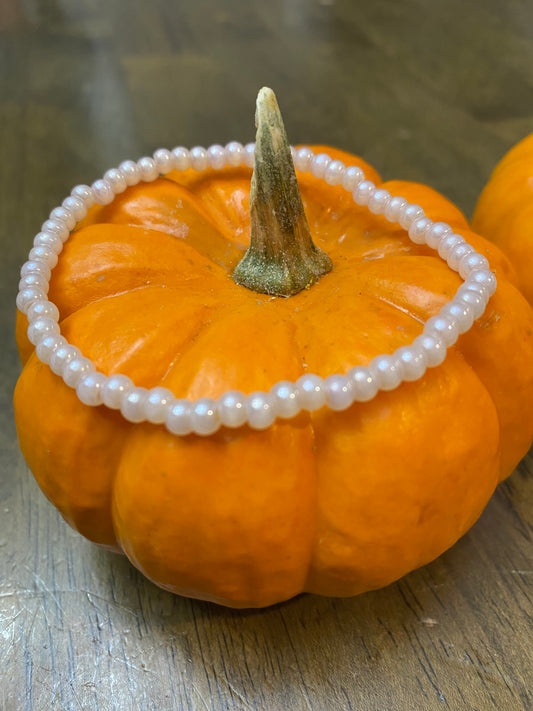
285,399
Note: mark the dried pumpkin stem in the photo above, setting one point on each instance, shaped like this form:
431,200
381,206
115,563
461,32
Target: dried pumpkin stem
282,258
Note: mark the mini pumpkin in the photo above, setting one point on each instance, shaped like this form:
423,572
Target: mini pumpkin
329,502
504,213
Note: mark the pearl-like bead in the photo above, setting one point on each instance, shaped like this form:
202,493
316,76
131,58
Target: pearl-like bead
56,227
433,347
363,192
157,404
412,362
260,409
204,416
116,178
311,392
471,282
42,309
477,288
447,243
234,154
353,175
182,158
418,229
77,207
436,232
164,160
232,408
364,384
461,313
394,208
48,345
35,266
50,240
61,356
40,328
89,388
27,296
409,214
386,370
75,369
483,278
199,158
114,389
457,253
334,173
378,201
443,326
319,164
286,398
474,299
103,192
132,404
303,158
28,281
85,194
179,417
61,214
339,394
131,172
216,157
472,262
148,169
44,254
249,155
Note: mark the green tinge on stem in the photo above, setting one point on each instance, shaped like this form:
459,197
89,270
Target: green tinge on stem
282,258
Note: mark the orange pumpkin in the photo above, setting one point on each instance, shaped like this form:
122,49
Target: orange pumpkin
334,503
504,213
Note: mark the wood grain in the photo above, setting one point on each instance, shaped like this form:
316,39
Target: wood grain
434,92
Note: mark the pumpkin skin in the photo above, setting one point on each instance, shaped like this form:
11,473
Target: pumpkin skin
504,212
334,503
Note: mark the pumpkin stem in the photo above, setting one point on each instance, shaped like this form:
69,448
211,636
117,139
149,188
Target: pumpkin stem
282,258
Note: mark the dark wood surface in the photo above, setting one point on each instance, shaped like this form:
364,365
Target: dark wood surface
430,91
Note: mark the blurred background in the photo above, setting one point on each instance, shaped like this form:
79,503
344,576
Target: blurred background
434,91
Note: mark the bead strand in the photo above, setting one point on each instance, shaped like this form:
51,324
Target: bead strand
285,399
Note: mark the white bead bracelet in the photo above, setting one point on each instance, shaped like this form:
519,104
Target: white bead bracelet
285,399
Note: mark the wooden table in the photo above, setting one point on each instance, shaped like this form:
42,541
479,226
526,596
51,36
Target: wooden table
429,91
